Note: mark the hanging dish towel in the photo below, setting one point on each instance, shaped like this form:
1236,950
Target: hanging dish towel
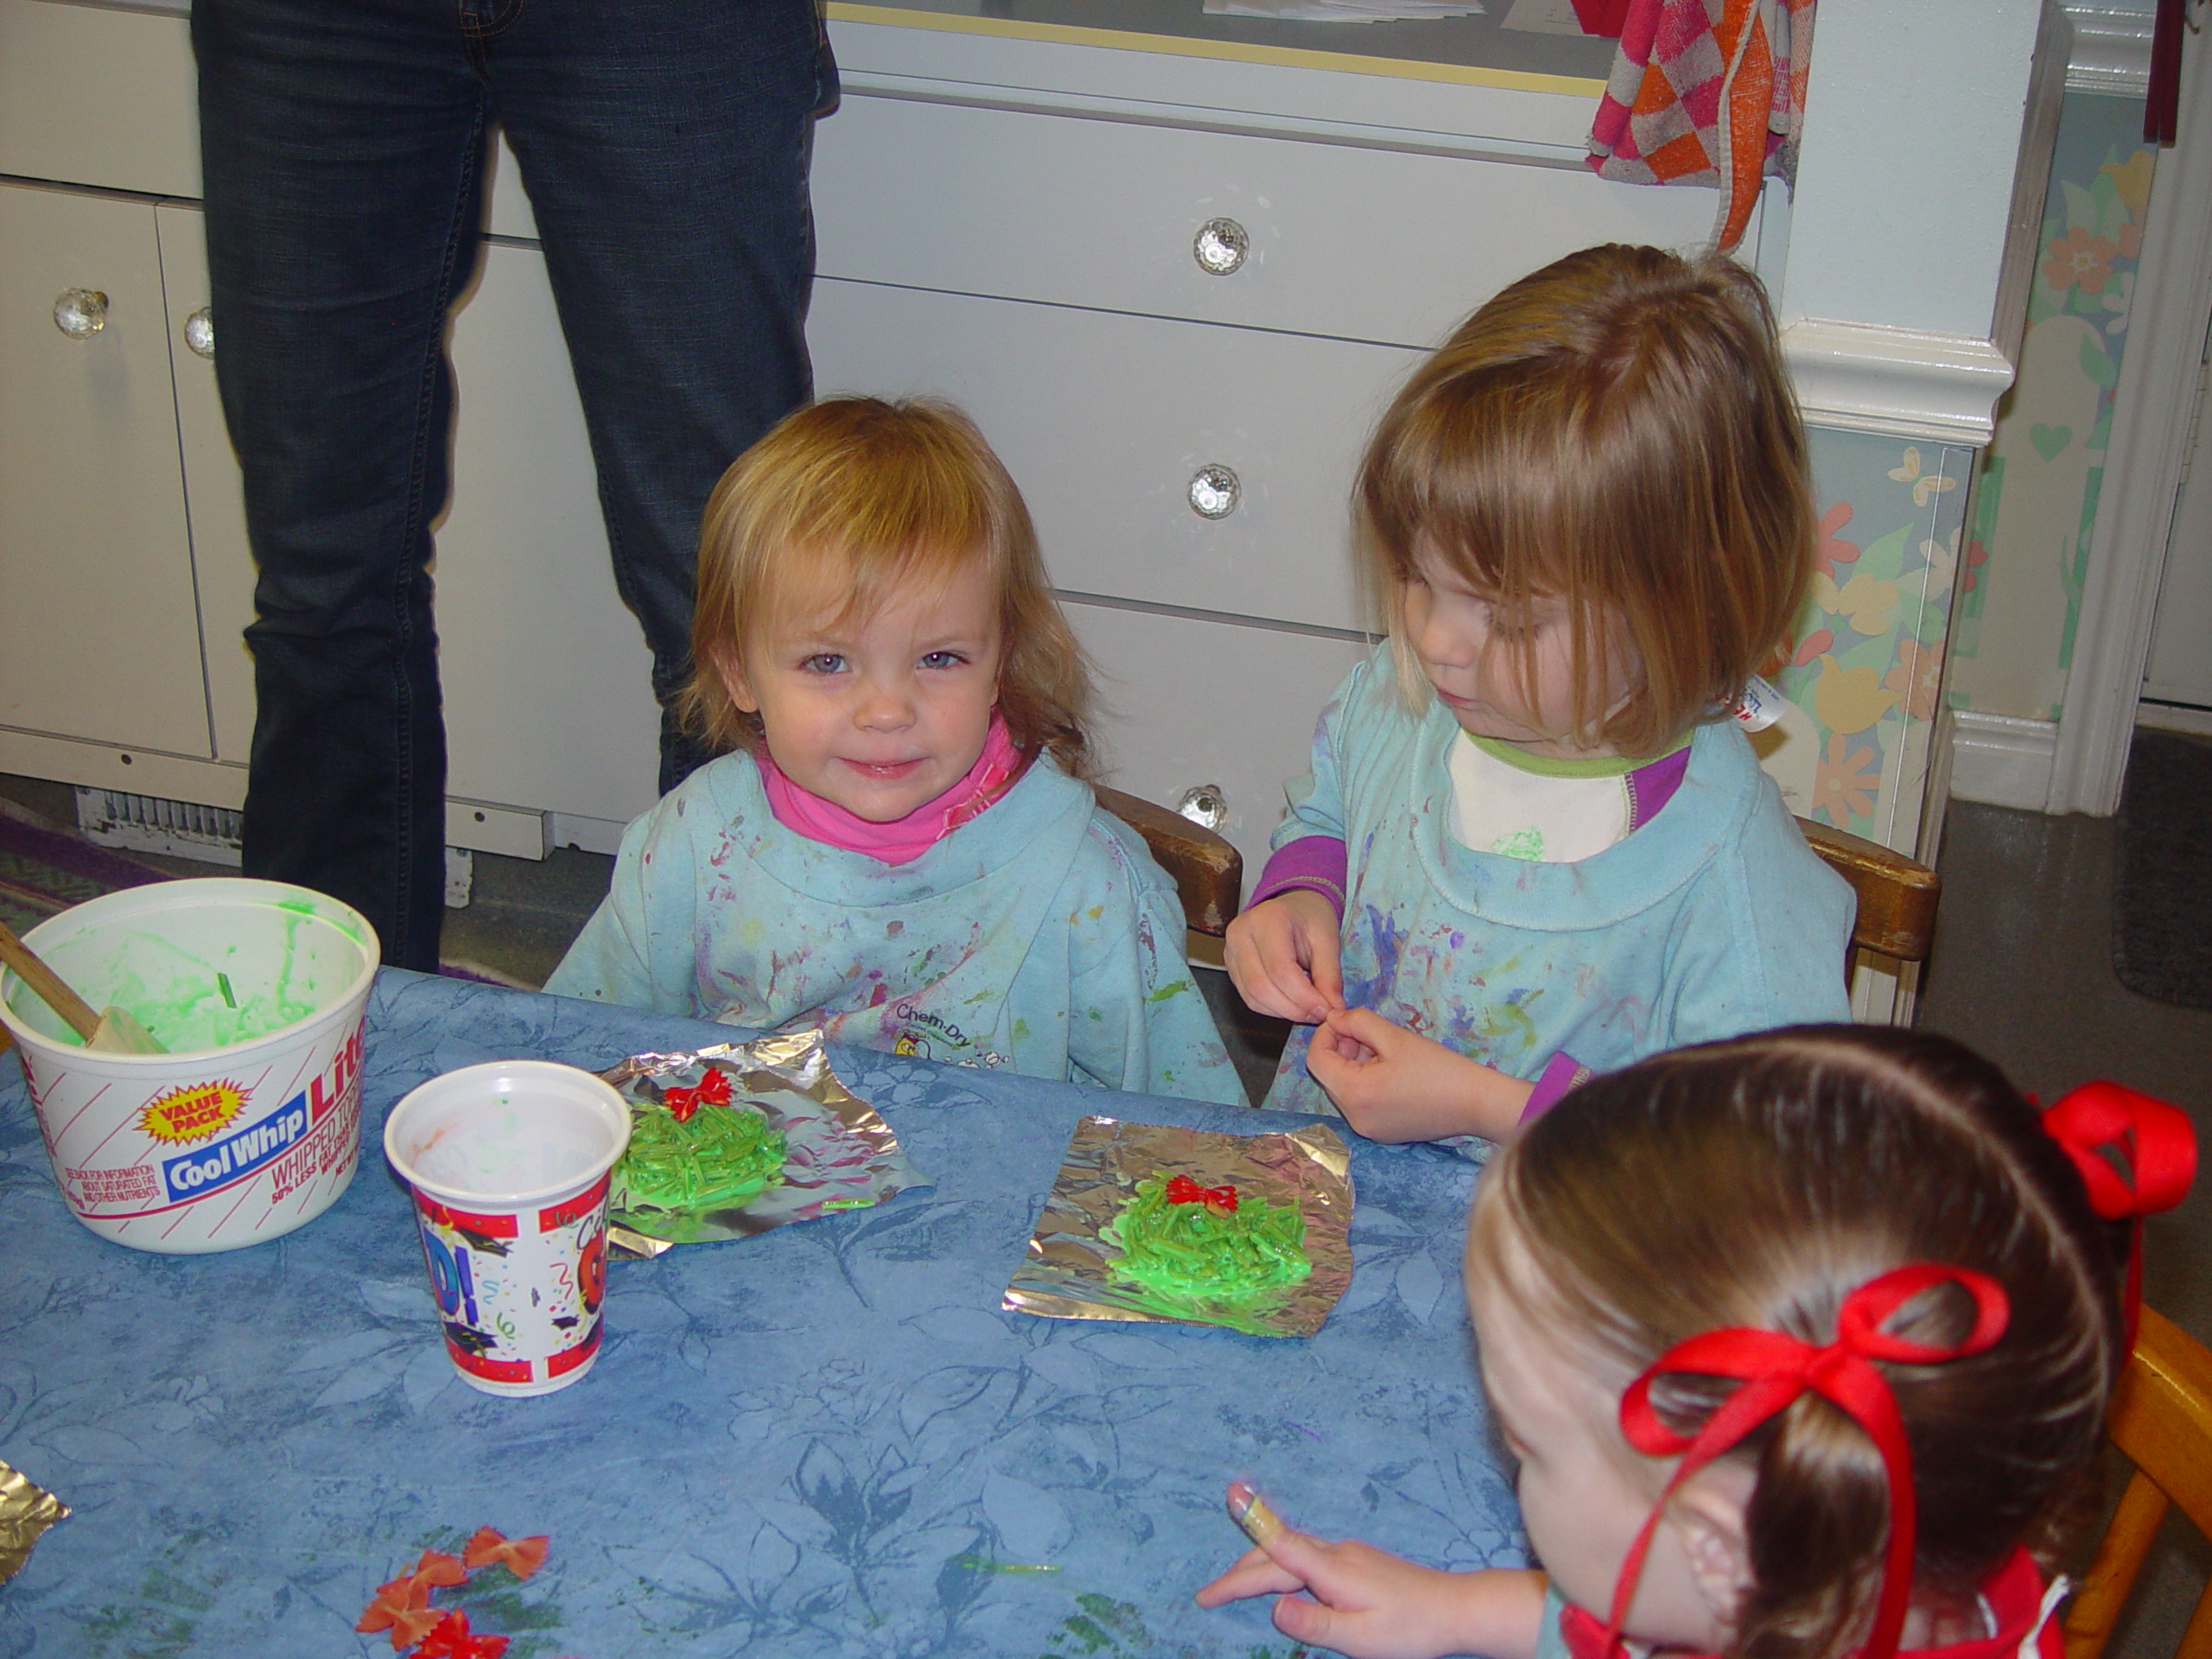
1706,91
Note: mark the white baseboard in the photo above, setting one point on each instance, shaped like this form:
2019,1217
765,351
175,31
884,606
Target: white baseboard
2002,759
2175,717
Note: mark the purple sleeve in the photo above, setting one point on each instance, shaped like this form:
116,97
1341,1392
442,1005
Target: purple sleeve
1314,861
1649,788
1564,1072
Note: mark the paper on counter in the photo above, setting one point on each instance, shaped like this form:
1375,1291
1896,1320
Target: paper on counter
26,1511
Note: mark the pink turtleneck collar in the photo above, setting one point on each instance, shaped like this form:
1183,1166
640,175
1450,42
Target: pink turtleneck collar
902,840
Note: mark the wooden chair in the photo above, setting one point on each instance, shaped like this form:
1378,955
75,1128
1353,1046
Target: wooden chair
1209,871
2162,1420
1897,895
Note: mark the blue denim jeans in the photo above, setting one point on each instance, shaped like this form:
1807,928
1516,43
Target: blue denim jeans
663,144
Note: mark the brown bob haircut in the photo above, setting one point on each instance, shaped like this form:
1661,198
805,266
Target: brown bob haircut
849,501
1756,1183
1615,432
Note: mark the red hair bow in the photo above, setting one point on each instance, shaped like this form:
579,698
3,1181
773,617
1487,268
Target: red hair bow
1776,1369
2137,1155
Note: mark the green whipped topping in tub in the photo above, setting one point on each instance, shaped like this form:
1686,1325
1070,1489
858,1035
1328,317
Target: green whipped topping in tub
1178,1239
715,1157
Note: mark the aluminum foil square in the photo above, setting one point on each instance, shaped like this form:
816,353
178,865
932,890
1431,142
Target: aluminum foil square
839,1154
26,1511
1067,1272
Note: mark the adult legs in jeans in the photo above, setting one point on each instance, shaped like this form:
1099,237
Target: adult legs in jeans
342,149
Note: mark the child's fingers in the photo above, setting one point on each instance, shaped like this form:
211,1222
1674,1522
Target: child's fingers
1255,1574
1288,980
1324,968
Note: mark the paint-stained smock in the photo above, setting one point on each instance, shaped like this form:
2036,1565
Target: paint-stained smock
1039,935
1713,919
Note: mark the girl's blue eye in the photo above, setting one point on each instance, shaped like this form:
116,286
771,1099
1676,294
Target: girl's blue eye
942,659
824,662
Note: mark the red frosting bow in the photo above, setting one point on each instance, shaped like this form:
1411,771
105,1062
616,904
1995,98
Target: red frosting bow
1776,1369
712,1091
2137,1155
1181,1189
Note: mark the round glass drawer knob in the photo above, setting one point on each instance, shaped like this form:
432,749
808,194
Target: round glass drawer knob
1205,805
1220,247
80,312
200,334
1215,493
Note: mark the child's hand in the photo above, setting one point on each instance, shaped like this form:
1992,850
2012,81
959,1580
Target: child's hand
1367,1603
1282,956
1394,1084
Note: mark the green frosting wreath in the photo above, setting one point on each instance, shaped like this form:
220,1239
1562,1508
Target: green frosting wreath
724,1156
1201,1248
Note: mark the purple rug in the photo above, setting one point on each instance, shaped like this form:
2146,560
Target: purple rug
43,872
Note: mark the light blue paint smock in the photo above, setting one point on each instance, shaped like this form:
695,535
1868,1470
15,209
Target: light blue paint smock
1038,935
1711,920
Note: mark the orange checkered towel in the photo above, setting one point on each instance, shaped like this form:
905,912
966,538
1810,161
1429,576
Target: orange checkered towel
1706,91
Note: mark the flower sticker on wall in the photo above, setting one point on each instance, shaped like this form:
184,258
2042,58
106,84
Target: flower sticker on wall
2080,259
1924,484
1849,700
1868,601
1831,549
1915,676
1845,784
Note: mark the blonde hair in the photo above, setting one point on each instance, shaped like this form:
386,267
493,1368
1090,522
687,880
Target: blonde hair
872,498
1756,1183
1615,431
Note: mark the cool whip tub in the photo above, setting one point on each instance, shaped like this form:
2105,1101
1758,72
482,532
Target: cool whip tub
250,1125
509,1164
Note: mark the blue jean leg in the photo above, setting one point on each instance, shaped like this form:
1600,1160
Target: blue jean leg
342,149
663,144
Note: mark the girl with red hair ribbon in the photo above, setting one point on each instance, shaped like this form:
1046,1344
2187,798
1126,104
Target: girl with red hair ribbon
1803,1342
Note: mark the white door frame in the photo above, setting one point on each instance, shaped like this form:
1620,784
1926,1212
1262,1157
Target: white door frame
2159,378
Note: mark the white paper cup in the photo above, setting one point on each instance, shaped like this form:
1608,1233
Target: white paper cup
250,1125
508,1162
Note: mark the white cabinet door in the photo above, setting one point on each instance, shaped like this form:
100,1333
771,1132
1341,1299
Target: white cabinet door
1104,421
99,633
1191,701
548,689
548,696
222,559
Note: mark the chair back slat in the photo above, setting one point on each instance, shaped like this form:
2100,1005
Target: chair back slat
1897,895
2162,1422
1208,870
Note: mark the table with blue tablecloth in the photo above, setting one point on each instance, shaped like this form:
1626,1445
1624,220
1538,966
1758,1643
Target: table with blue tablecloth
826,1440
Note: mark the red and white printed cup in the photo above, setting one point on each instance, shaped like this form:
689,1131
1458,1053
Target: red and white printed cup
509,1165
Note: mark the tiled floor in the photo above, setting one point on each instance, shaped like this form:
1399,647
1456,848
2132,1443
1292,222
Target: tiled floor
2022,970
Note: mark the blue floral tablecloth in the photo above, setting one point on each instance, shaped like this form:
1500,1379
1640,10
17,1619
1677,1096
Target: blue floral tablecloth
828,1439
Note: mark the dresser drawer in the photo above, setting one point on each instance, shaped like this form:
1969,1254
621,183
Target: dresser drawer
1105,420
1358,244
1187,701
91,96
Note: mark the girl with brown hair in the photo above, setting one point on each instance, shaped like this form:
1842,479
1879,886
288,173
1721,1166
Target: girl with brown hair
1533,843
1803,1342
